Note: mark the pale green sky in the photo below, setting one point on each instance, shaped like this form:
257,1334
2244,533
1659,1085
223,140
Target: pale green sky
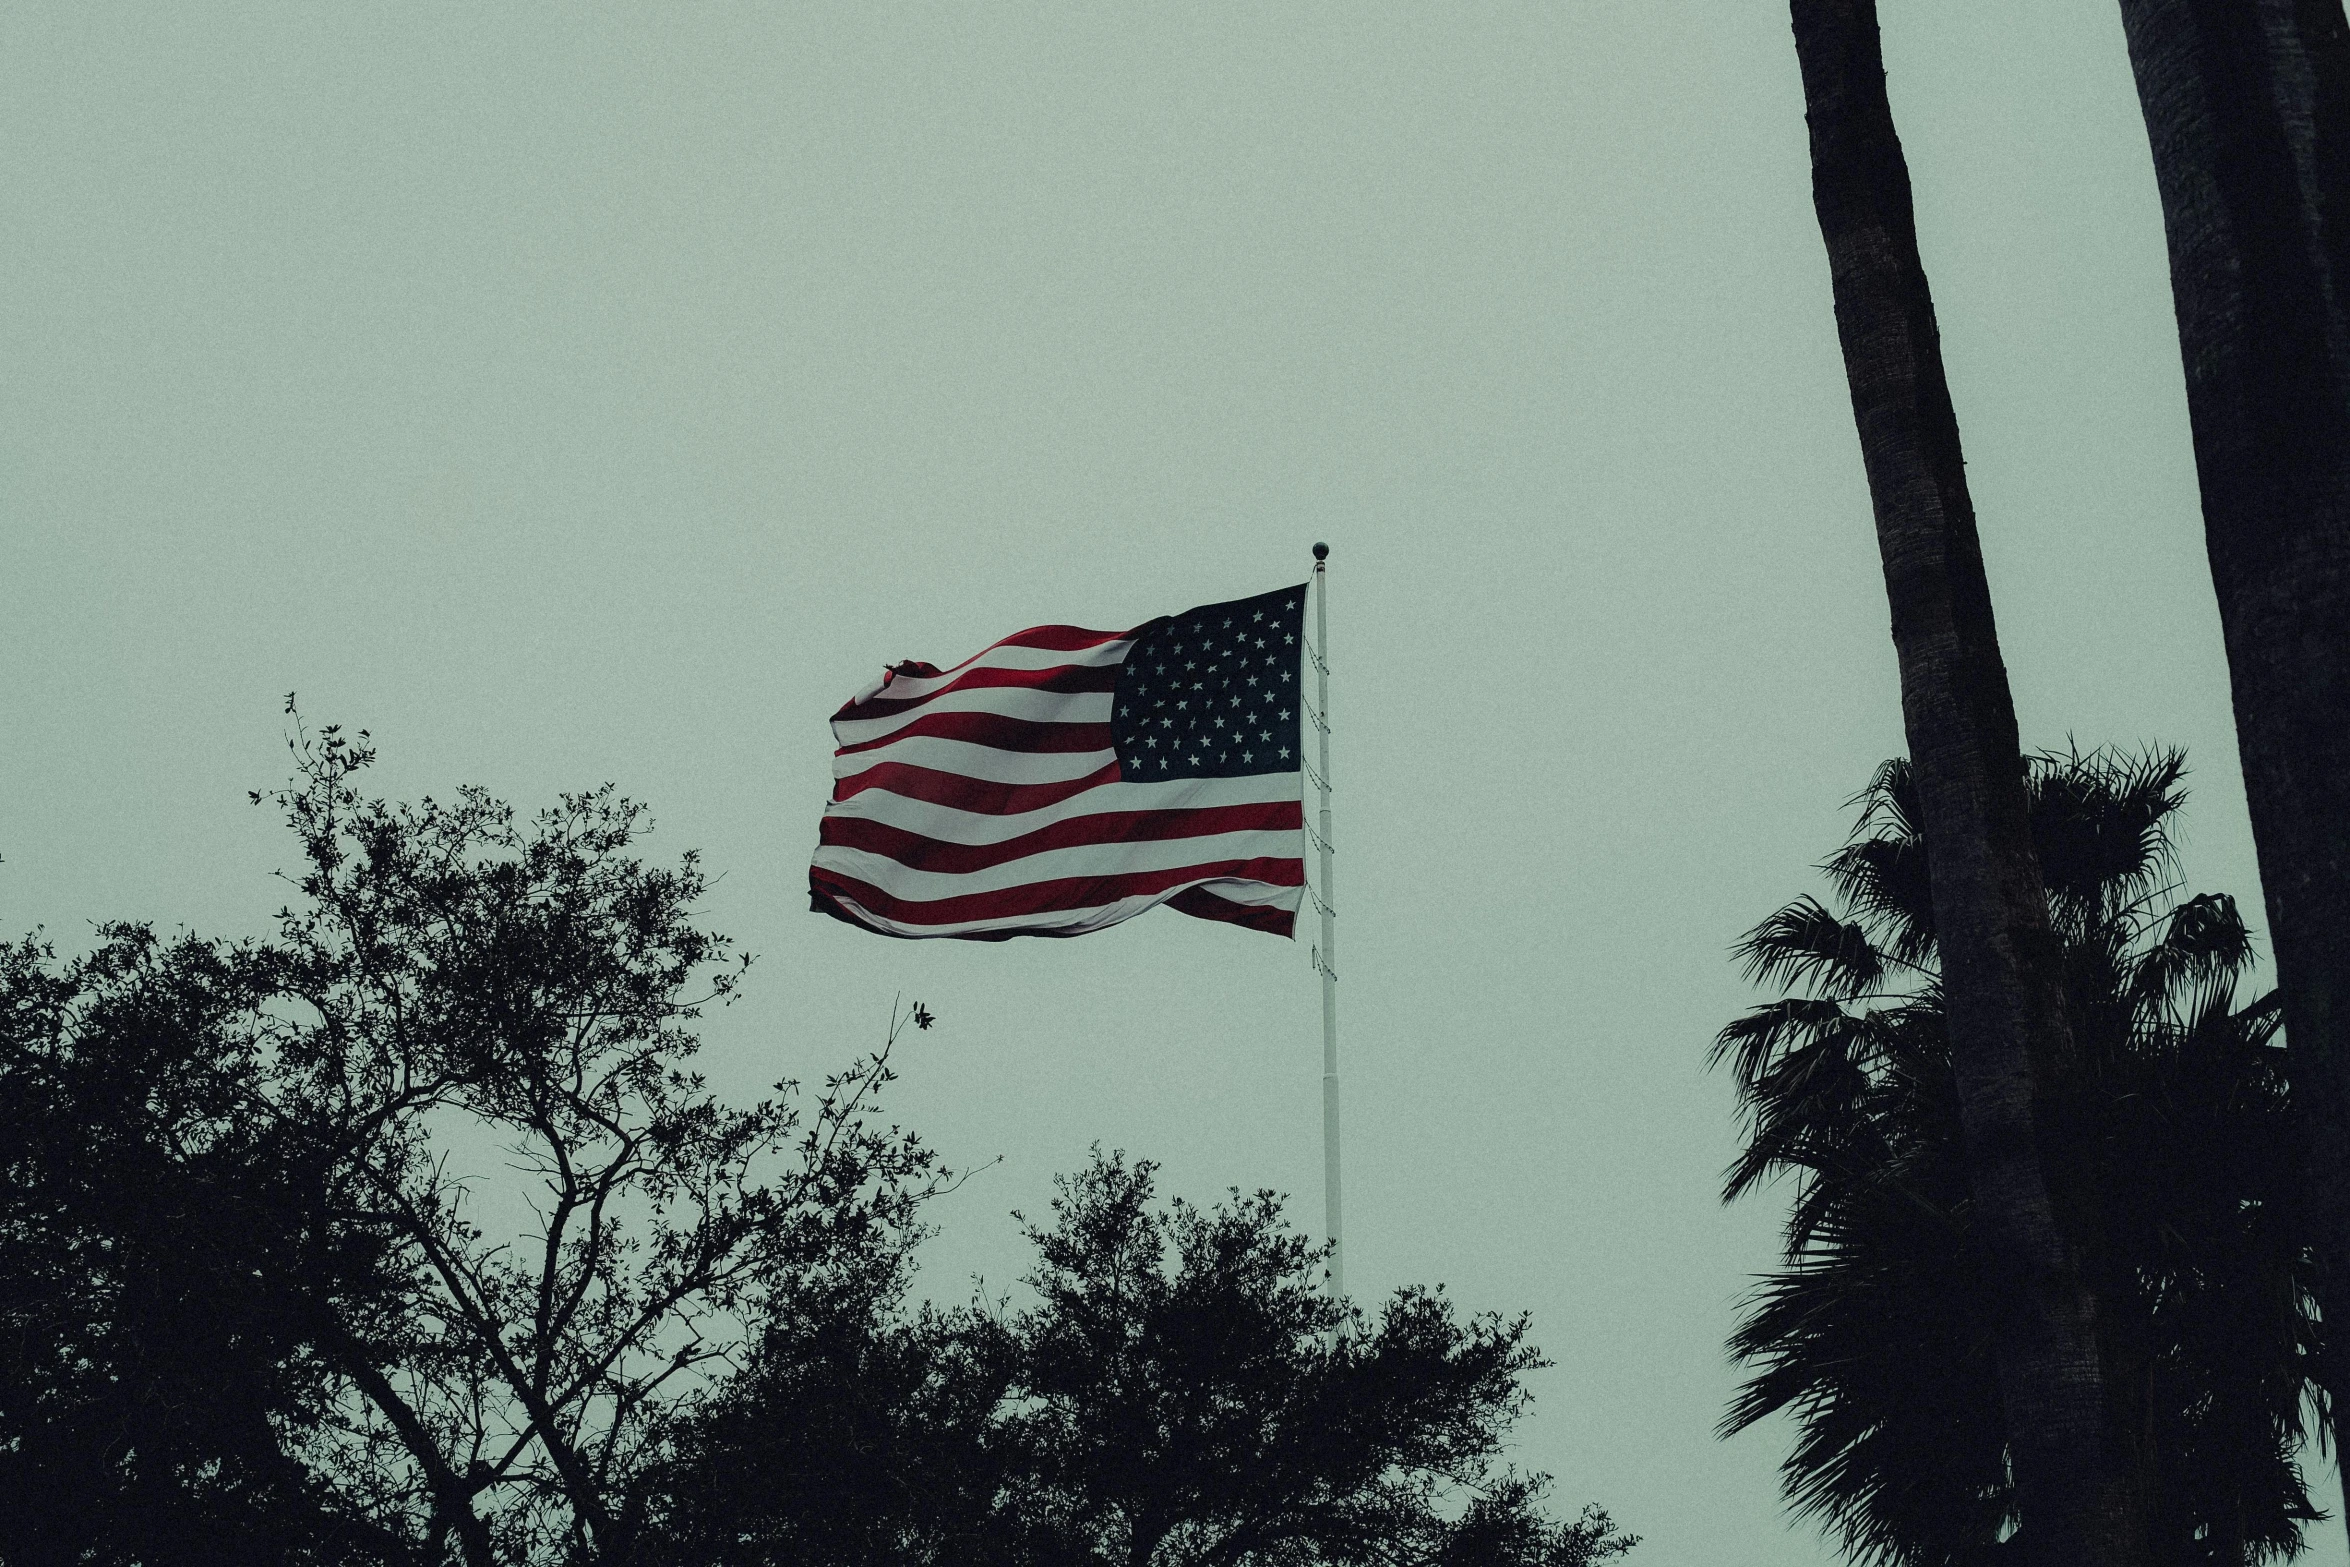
574,394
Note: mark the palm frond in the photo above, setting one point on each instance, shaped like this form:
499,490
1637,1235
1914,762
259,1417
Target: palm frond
1889,805
2100,821
1883,879
1874,1352
1755,1040
2203,938
1811,1065
1805,946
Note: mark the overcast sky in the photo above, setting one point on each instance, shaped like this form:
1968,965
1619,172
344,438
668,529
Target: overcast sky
571,395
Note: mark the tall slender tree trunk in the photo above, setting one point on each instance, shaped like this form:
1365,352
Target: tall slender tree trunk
2001,978
2247,107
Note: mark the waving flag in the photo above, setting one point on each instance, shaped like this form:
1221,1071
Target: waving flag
1064,780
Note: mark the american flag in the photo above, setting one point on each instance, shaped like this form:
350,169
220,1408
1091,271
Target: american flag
1063,780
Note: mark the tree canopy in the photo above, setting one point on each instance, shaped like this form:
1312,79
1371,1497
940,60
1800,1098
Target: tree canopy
259,1302
1181,1390
408,1235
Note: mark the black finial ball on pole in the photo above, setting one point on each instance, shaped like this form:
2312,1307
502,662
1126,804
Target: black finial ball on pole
1321,552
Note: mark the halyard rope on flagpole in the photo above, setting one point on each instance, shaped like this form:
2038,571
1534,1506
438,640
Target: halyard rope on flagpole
1326,955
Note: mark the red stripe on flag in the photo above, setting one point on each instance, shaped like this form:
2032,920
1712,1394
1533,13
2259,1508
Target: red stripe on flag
1067,679
1203,904
930,854
1048,897
1005,734
1060,639
980,795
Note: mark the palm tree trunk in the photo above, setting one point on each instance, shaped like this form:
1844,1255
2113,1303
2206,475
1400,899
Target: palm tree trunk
2247,106
2004,996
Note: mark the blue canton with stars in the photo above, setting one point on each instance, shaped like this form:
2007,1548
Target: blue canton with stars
1212,692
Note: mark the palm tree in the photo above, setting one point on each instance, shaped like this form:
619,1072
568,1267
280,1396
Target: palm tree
1876,1335
2006,997
2247,110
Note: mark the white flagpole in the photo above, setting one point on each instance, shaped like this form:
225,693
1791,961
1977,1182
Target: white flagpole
1326,956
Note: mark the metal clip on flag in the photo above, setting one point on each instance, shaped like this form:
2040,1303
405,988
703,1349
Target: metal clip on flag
1326,957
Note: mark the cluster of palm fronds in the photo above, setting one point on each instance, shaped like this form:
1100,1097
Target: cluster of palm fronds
2168,1132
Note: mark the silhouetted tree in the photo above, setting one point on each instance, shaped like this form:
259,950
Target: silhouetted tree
254,1308
855,1435
160,1259
1877,1336
536,985
267,1295
2247,108
2006,998
1182,1391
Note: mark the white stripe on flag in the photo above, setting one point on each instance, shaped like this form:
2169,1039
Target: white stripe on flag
1077,922
1077,860
949,825
977,761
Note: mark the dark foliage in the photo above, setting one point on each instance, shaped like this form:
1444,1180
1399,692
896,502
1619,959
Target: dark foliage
159,1268
854,1435
1181,1392
2173,1112
408,1237
252,1307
